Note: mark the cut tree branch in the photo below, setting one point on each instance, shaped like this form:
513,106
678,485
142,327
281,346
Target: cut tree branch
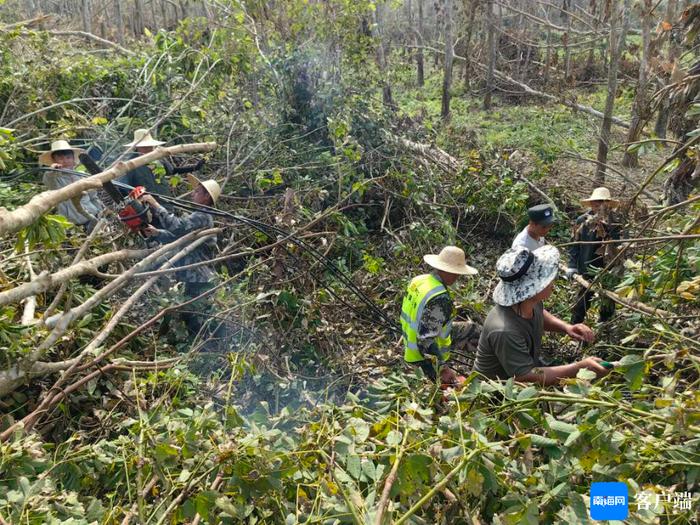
45,281
23,216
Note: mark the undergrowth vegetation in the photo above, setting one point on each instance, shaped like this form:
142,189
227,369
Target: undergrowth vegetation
311,416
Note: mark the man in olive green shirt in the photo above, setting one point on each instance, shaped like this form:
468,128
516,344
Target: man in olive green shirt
511,337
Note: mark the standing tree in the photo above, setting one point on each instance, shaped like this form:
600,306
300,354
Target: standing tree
449,59
87,16
419,44
381,55
491,46
471,17
615,47
640,107
673,49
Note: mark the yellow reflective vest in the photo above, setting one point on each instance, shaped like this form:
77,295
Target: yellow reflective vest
421,290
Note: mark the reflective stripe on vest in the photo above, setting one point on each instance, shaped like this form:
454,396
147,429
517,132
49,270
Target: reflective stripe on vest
421,290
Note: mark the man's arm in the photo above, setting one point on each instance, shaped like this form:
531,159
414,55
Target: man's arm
551,375
580,331
554,324
175,224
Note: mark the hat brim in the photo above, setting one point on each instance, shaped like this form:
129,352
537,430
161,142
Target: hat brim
614,202
194,182
435,261
144,144
543,271
46,158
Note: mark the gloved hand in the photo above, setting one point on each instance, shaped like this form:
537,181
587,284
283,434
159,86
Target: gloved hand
198,166
570,272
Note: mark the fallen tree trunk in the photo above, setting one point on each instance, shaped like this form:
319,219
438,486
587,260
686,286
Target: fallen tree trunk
45,280
540,94
439,156
94,38
73,363
23,216
30,366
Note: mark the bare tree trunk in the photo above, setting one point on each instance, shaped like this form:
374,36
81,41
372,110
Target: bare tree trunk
616,46
566,7
164,13
87,16
467,43
419,43
381,56
664,108
138,18
491,46
120,21
449,59
640,110
548,56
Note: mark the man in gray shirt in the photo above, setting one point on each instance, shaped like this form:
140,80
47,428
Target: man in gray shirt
63,159
541,219
511,337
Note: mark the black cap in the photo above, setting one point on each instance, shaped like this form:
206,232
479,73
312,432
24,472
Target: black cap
542,214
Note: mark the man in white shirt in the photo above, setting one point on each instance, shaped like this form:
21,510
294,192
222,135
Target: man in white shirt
541,221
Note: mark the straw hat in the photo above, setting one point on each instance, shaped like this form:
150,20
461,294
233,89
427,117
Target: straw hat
58,145
452,260
212,187
601,194
524,273
143,139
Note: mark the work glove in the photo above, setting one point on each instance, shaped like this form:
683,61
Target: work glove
570,272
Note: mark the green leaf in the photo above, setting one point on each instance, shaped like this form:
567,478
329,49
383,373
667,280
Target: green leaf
394,437
527,393
353,465
542,441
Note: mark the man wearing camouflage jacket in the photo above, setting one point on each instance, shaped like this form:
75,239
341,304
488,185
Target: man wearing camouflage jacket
199,279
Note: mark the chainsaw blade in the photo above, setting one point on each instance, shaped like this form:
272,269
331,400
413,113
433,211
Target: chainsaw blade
94,168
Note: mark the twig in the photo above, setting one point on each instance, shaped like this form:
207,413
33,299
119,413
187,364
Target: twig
437,488
94,38
390,479
78,256
45,281
636,305
214,486
639,239
30,303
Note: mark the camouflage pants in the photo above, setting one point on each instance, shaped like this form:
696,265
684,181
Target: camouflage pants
465,338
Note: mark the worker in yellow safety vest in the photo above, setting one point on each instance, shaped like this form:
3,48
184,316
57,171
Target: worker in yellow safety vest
427,316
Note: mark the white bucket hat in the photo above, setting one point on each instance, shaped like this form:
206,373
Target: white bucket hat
59,145
452,260
601,194
143,139
524,273
212,187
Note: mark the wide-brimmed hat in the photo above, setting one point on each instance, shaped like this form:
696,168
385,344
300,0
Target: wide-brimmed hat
58,145
143,139
524,273
452,260
601,194
212,187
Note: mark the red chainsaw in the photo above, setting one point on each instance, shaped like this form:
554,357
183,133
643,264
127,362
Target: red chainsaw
133,213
